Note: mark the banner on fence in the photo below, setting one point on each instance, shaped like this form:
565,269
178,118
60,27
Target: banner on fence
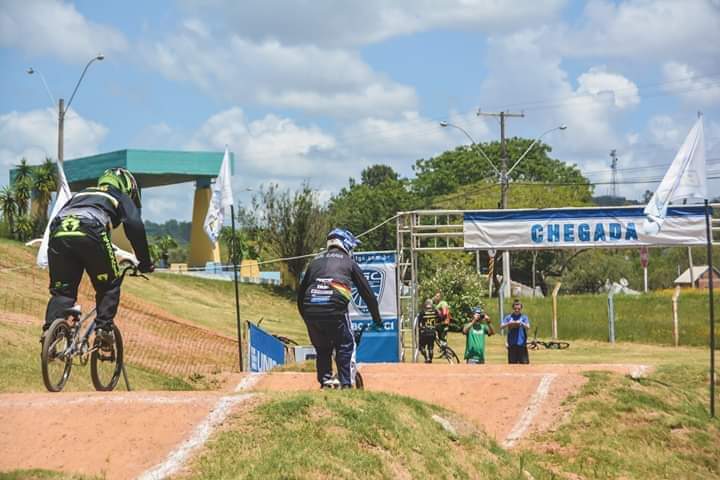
266,351
377,346
580,228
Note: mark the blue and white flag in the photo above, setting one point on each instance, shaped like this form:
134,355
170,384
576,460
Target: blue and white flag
222,197
684,180
63,195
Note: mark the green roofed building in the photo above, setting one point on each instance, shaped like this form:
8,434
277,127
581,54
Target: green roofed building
155,168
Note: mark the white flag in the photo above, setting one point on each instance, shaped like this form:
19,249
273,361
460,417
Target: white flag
63,195
685,179
221,197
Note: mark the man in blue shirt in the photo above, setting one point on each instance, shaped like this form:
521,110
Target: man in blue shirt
517,326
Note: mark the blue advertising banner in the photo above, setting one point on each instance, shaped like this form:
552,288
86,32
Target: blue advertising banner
377,346
266,351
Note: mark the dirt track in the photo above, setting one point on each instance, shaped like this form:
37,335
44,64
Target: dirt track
69,431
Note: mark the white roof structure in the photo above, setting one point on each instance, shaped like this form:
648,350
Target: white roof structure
697,272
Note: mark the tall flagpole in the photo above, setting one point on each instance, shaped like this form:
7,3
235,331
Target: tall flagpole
233,254
712,309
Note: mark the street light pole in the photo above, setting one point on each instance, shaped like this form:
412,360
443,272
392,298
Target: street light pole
474,144
62,109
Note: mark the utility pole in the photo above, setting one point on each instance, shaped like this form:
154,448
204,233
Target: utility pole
613,165
61,132
504,185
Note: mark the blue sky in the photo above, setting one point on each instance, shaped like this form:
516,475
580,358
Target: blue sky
317,91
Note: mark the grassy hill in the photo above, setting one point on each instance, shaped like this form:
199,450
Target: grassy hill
171,301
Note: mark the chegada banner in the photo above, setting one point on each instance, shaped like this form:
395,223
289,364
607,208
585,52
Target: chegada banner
558,228
377,346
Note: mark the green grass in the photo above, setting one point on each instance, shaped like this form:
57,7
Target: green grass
211,303
656,427
348,435
20,367
644,318
40,474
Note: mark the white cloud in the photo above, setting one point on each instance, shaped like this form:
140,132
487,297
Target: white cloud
55,28
271,146
33,135
321,22
598,81
645,30
309,78
694,88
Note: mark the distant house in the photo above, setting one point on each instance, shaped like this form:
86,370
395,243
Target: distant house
699,278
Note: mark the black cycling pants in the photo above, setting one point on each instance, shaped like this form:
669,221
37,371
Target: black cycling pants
75,247
426,343
328,334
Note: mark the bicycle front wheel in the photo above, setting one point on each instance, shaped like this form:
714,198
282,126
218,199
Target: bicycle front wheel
55,360
106,364
359,382
449,354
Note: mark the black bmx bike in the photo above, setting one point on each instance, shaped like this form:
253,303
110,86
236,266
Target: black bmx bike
535,344
67,342
444,350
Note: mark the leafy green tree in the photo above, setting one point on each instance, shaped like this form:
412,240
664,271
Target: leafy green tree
290,224
243,247
163,245
359,207
443,174
460,285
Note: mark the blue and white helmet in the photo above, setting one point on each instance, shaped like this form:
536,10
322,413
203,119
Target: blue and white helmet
341,238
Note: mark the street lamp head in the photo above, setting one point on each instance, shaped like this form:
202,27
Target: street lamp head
443,123
562,127
100,56
30,71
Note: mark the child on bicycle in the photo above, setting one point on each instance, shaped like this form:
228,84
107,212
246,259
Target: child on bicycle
475,333
80,241
427,319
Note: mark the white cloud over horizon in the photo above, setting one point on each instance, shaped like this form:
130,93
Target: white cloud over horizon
56,28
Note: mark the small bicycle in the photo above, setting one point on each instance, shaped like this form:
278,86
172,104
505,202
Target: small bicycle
65,341
534,344
444,351
334,382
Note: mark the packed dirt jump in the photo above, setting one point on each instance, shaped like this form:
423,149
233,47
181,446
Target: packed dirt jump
155,434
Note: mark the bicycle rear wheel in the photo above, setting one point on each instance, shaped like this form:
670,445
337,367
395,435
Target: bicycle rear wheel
106,365
56,365
558,345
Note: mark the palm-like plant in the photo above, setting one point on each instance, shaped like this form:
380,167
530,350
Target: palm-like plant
24,227
45,183
8,205
23,185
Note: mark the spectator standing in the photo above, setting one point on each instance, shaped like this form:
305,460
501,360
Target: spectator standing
517,325
475,333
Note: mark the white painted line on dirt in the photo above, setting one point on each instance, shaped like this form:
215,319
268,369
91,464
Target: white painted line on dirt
180,455
249,381
530,411
445,423
128,399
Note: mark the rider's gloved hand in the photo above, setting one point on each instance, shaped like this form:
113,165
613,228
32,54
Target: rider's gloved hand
146,267
377,325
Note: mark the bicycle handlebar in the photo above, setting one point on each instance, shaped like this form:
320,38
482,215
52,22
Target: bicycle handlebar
135,272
